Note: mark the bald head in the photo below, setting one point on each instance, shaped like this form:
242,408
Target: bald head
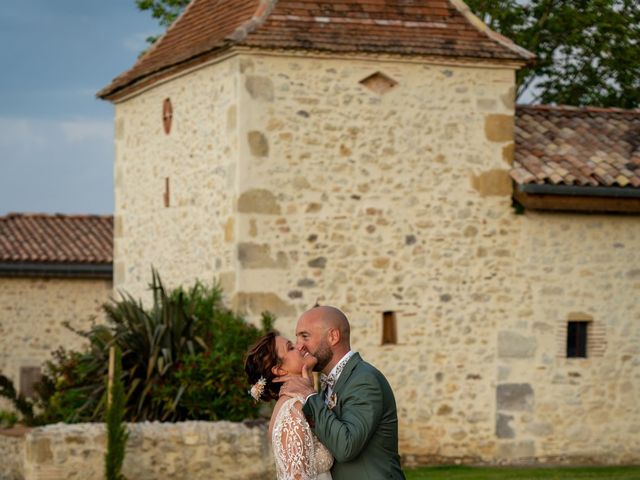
331,317
324,332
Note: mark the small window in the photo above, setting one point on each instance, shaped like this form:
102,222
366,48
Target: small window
29,377
577,339
389,332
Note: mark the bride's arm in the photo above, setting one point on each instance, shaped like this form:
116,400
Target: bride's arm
293,444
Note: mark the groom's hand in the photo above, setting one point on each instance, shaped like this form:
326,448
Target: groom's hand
294,385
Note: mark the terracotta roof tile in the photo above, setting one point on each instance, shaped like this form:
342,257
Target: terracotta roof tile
62,239
577,146
429,27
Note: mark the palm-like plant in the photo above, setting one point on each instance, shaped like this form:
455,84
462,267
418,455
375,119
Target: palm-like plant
152,341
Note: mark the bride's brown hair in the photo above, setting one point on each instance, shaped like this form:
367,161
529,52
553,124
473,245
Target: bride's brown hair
261,358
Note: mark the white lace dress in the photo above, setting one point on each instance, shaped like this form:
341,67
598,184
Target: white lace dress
299,454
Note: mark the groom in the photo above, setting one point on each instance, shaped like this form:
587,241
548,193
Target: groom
355,414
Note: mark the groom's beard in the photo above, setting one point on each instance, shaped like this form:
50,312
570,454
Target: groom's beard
324,356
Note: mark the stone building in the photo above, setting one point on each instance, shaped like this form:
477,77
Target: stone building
53,269
361,154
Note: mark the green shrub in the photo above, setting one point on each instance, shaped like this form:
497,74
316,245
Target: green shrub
182,358
7,419
68,391
210,383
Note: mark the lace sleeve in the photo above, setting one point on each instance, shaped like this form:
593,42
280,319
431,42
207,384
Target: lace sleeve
293,444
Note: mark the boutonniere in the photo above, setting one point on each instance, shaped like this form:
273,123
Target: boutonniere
333,400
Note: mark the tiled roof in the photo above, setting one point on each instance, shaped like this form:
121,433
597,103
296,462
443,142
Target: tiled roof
577,146
56,239
428,27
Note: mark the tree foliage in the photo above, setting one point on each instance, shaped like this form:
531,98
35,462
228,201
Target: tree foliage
166,11
588,51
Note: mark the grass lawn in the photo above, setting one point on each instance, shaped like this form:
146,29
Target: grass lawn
508,473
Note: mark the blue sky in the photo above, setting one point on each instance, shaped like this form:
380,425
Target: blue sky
56,138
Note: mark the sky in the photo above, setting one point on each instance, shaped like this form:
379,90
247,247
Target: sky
56,138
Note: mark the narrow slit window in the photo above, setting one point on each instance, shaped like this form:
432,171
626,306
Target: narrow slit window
389,331
166,192
577,339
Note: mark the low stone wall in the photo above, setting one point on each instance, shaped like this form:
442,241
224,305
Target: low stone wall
12,453
188,450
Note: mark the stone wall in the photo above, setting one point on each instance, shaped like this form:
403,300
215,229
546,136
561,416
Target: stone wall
194,167
12,454
381,185
570,267
32,313
193,450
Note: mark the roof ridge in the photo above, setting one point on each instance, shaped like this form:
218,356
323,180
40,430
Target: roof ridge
263,10
482,27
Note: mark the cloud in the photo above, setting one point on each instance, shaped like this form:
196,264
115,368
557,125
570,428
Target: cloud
82,131
21,133
26,134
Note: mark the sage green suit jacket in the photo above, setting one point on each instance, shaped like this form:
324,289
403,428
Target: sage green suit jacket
361,430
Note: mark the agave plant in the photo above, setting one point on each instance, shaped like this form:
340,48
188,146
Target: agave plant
152,341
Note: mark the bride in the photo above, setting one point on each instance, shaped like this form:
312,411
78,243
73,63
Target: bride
298,453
